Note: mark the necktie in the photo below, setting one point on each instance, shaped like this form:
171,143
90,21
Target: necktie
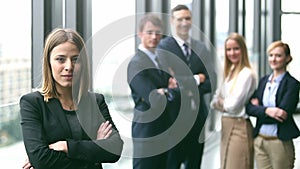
158,65
187,53
157,62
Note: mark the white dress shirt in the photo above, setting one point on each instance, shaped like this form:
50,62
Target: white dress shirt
150,54
180,43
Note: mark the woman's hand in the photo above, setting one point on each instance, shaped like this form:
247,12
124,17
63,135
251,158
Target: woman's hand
276,113
59,146
221,104
218,105
27,164
255,101
104,131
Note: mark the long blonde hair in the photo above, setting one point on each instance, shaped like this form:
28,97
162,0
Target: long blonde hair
244,60
56,37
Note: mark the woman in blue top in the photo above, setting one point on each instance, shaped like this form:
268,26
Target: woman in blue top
273,104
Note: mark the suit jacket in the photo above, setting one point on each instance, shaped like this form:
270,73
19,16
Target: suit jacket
150,117
44,123
287,98
174,62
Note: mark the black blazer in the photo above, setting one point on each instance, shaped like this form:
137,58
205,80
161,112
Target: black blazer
287,98
173,58
150,117
44,123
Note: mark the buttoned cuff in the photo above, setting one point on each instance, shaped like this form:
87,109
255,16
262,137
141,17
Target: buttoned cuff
196,77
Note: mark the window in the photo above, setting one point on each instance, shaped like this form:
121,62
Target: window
290,33
113,44
15,55
222,15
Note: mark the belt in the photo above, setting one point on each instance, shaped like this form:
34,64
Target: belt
236,118
268,137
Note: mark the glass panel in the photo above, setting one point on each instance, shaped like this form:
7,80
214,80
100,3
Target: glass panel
222,17
115,33
184,2
113,43
290,35
15,78
290,5
249,34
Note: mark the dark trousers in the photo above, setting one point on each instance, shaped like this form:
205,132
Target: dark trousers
188,152
154,162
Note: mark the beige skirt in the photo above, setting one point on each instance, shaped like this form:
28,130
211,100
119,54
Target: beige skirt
237,150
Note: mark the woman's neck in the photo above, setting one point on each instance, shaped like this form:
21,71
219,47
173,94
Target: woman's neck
65,92
232,72
67,103
277,73
66,98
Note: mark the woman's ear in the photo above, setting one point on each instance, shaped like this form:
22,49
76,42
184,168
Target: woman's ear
288,59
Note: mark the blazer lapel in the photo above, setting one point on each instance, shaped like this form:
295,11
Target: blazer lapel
55,107
148,63
89,115
178,50
145,60
281,88
262,88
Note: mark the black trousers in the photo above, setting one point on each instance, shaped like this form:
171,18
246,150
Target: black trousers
154,162
188,152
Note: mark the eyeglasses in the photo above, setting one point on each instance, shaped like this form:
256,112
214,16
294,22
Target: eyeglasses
158,33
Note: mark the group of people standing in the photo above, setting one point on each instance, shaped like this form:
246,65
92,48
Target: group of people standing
175,82
273,103
65,125
168,79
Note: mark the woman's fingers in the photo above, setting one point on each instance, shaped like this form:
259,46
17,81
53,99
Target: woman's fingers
27,164
108,134
104,130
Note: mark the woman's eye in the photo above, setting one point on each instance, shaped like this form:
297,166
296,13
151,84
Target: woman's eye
75,59
60,59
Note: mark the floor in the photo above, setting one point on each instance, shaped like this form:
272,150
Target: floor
13,156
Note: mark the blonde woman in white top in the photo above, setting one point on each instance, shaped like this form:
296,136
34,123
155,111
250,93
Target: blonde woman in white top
230,99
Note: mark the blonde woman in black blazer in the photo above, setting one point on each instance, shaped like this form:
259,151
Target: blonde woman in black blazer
273,105
64,125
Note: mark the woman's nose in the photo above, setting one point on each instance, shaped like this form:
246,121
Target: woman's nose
230,52
68,65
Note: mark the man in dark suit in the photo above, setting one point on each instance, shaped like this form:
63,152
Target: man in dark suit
186,59
150,89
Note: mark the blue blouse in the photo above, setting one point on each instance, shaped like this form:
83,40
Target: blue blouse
269,98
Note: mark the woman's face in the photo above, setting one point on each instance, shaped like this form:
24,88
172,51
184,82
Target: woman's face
277,59
233,51
64,64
